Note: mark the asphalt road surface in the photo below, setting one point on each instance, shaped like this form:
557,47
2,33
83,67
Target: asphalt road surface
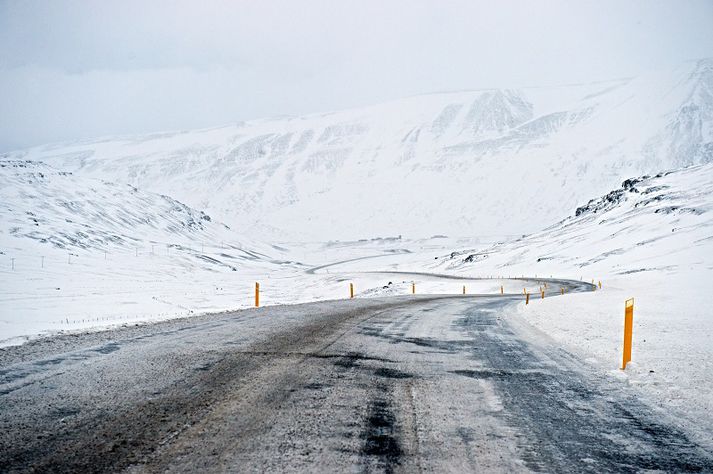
408,384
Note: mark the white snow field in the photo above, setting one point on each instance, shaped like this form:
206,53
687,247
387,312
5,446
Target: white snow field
467,163
79,252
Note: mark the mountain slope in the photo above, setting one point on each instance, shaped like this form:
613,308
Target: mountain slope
484,162
650,224
77,252
66,211
651,240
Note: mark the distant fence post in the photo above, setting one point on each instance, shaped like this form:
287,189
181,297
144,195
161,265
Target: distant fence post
463,289
413,288
257,294
351,290
527,298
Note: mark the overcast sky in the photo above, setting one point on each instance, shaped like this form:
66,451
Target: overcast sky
77,69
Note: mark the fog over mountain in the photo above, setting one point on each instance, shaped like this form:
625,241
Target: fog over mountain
496,161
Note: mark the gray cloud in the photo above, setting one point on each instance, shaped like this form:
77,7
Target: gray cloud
72,69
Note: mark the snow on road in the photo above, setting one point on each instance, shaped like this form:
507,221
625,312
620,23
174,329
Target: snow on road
395,385
672,351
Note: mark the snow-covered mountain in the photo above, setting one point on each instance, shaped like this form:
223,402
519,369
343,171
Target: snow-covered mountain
460,163
658,225
57,210
77,252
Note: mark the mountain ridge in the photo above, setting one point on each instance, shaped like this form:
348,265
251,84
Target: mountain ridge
432,160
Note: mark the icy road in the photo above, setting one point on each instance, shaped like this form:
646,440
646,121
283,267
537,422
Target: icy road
418,383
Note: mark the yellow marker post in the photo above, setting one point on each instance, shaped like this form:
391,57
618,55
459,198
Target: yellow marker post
562,290
463,289
600,284
351,290
628,331
502,291
413,288
542,293
527,298
257,294
524,291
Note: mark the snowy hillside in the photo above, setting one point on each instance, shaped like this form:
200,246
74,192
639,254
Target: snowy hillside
650,239
78,252
653,224
461,163
65,211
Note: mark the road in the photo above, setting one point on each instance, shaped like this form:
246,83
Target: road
313,270
406,384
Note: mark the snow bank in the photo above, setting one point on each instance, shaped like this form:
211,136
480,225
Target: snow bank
673,329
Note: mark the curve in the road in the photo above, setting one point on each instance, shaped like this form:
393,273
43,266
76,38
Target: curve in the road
313,270
455,383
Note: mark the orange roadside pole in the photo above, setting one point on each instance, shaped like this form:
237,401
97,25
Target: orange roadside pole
628,331
257,294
